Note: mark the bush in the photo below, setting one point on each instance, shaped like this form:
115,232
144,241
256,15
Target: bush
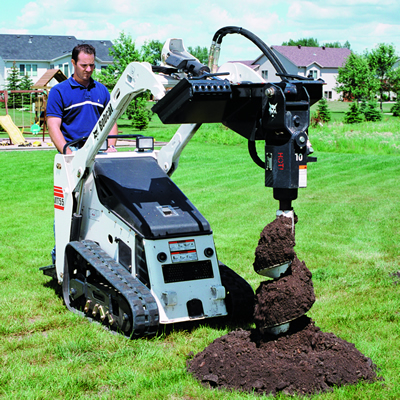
323,110
396,108
371,111
354,115
142,115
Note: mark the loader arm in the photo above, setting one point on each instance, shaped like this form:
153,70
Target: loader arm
137,78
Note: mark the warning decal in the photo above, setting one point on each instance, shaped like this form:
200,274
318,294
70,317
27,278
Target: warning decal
58,198
302,176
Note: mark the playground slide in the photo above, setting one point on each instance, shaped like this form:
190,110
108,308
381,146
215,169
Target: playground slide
15,134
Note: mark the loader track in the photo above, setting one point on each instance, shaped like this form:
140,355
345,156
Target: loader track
98,287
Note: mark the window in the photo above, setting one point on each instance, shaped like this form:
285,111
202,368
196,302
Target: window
28,69
328,95
264,75
51,66
66,69
313,73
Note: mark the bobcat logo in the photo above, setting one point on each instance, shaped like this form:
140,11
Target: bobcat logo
272,110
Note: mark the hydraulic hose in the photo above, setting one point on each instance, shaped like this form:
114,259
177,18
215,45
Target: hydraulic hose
218,36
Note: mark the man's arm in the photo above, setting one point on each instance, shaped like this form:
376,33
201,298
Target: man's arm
112,142
54,125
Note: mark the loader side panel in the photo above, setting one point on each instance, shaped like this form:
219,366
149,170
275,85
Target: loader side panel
138,191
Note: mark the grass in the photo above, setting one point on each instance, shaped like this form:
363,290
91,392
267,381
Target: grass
347,234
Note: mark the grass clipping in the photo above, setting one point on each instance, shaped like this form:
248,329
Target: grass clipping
303,360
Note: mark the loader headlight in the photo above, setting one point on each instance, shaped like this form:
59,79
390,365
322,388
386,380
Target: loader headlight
145,143
208,252
161,257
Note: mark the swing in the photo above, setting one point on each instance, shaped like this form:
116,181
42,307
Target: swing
35,128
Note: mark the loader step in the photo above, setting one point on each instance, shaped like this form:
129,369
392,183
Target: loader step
98,287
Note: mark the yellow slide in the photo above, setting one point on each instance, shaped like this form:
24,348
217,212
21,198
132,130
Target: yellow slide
15,134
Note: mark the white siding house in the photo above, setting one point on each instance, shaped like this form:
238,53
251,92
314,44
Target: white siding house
318,62
33,55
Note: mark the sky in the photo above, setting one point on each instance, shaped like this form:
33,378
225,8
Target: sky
363,23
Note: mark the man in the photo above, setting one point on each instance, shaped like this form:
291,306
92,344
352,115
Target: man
75,105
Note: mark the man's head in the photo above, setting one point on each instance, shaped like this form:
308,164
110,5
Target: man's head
83,61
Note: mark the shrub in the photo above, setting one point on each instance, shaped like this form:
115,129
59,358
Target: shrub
371,111
354,115
396,108
141,115
323,110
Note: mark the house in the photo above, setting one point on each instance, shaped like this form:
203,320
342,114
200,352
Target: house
33,55
318,62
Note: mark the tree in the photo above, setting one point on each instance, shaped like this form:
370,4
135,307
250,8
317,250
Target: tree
370,110
354,115
347,45
394,81
355,79
13,82
151,52
123,52
141,116
382,60
338,45
26,84
396,108
323,110
306,42
201,53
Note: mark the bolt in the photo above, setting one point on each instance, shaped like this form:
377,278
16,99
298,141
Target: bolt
302,139
73,292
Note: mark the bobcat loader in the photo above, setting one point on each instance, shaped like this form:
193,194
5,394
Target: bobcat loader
132,251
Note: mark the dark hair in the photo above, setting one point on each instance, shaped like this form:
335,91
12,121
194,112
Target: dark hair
85,48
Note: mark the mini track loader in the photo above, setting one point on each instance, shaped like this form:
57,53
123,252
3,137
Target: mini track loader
132,251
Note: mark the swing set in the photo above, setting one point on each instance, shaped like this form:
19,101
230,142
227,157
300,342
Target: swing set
36,107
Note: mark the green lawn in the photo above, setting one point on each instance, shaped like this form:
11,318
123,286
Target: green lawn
348,235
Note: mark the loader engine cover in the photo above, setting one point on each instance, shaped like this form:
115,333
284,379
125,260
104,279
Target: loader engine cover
139,192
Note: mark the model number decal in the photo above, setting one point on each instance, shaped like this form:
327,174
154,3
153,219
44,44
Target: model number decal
59,198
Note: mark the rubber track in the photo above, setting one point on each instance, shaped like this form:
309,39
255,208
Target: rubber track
145,317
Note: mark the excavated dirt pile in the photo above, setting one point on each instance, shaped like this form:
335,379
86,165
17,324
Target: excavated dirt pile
302,360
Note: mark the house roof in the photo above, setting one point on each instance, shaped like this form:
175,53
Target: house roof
303,56
249,63
47,47
42,83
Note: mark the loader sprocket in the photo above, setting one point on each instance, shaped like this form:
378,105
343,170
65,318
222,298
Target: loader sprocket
98,287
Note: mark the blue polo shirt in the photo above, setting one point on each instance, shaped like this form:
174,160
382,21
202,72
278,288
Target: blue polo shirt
78,107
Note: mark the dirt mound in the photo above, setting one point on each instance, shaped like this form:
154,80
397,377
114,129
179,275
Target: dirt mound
302,360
